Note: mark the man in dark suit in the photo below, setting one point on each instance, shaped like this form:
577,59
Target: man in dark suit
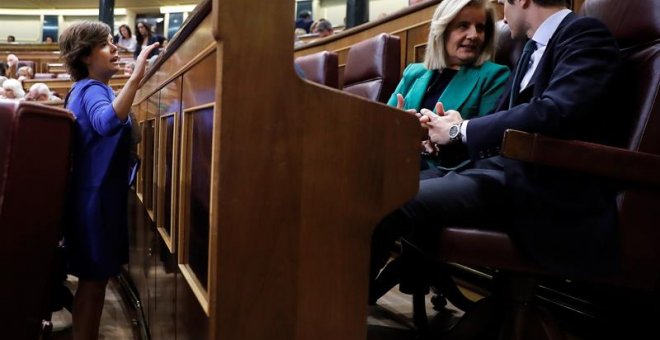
564,221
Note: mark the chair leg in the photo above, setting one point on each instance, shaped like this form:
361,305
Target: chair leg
419,312
442,280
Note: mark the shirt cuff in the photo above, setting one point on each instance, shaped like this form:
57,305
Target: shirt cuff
464,131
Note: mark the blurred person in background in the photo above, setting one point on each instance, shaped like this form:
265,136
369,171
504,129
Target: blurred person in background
13,89
126,41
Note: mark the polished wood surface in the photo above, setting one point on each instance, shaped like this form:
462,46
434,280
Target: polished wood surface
32,47
62,86
297,177
41,58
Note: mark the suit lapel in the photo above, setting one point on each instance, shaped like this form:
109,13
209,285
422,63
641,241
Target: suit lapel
548,54
459,88
418,90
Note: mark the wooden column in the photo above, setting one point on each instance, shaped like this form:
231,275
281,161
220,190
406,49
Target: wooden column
302,175
107,13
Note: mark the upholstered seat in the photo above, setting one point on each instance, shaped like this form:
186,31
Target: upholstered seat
35,142
321,67
373,67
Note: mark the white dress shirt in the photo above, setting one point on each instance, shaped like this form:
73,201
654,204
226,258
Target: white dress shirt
541,37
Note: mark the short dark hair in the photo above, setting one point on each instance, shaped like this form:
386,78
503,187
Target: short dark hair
77,42
11,38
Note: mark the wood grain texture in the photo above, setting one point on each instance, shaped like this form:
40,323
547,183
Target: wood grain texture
300,175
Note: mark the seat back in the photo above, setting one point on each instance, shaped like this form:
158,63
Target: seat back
35,142
27,63
321,67
637,30
373,67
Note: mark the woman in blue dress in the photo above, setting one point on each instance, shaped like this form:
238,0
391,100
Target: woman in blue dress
97,237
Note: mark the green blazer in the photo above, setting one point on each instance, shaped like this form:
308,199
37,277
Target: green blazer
474,90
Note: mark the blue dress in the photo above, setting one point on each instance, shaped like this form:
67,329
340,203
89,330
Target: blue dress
97,233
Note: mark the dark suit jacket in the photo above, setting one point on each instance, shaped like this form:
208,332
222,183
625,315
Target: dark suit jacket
566,221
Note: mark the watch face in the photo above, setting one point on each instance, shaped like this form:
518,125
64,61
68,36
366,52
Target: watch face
453,131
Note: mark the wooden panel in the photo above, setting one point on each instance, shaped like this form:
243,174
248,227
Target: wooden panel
191,320
62,86
397,23
290,186
148,162
199,84
167,128
196,168
162,323
303,173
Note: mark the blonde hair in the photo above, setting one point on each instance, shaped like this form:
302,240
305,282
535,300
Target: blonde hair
436,55
15,86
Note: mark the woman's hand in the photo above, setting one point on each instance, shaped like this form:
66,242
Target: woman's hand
141,62
122,103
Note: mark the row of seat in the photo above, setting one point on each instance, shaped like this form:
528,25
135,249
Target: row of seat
372,68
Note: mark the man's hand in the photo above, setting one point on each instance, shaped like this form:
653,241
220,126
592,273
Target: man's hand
438,124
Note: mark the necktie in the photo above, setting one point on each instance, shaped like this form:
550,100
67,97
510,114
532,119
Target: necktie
521,69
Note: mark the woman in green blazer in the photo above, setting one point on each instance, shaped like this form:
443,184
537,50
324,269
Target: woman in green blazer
456,70
457,73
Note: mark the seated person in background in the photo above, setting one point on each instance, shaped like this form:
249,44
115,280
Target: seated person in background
12,65
563,221
40,92
48,40
315,24
457,73
324,29
304,21
126,40
11,39
24,72
128,69
13,89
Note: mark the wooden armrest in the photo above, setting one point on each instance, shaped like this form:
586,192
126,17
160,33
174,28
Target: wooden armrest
629,167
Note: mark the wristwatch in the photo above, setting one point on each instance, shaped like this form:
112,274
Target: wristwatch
455,132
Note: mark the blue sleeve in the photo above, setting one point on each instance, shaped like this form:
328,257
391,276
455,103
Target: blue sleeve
97,103
493,89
